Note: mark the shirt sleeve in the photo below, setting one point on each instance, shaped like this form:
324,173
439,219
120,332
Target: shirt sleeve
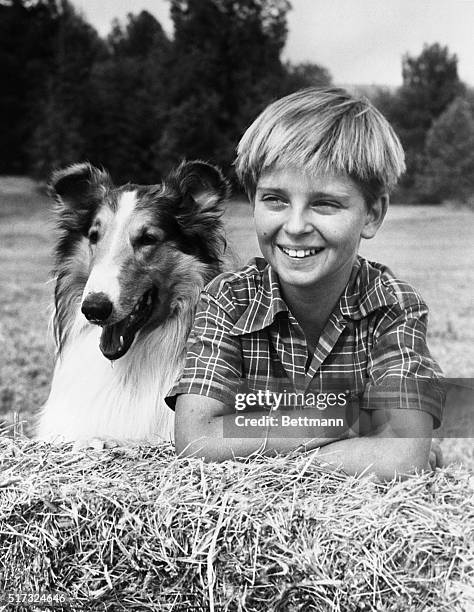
402,373
213,363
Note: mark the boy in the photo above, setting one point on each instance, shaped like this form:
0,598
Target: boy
313,316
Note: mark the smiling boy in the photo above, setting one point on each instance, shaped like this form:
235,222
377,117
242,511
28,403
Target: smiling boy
313,315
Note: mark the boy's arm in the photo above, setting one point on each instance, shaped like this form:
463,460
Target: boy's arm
398,444
403,399
199,432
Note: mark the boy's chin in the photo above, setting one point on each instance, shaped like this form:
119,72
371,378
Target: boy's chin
300,279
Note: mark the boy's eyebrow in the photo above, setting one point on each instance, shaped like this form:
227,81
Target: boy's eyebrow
313,194
270,188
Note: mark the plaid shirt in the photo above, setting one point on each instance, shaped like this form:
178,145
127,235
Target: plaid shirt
373,345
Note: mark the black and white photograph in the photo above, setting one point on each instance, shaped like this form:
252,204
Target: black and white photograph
236,305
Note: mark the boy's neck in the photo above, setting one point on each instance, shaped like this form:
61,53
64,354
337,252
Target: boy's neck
312,306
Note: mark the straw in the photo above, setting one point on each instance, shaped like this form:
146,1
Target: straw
138,529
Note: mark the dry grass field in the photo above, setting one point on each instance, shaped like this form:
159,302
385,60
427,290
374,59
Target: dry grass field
430,246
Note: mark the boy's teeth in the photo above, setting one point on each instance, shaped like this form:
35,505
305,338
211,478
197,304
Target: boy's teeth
300,253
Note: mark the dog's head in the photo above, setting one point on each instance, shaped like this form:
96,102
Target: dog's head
139,252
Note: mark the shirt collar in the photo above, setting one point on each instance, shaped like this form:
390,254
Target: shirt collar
264,307
364,293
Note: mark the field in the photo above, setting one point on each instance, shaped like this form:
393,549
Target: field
429,246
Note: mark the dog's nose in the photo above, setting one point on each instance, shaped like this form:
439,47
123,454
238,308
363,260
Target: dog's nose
97,307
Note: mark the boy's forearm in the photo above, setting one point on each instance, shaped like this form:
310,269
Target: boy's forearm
220,449
383,456
215,446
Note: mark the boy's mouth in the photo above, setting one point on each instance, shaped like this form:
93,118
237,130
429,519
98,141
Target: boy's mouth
300,253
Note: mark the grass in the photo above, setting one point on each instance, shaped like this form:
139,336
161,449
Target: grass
25,300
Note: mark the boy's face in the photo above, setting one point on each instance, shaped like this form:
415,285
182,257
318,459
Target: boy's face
309,226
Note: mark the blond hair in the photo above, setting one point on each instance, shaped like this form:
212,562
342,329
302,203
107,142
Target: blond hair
324,131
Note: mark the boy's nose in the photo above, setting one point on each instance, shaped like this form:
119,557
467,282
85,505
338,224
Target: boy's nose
297,223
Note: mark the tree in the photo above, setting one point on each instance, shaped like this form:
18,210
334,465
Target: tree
449,154
225,68
306,74
59,135
26,49
138,102
140,35
129,103
430,84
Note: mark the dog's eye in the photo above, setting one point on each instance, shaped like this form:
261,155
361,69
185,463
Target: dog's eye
145,239
93,236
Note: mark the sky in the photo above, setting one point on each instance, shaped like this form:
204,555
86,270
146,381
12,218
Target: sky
361,42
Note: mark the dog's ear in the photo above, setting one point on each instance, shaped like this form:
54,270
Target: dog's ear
203,190
78,190
202,183
79,187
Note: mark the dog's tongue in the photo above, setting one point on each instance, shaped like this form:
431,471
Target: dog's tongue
115,341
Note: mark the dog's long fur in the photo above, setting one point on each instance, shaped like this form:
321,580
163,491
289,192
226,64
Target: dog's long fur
119,244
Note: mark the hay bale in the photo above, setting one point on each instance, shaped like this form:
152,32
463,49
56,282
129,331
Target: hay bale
137,529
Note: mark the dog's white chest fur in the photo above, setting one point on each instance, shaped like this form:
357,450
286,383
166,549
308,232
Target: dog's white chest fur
92,397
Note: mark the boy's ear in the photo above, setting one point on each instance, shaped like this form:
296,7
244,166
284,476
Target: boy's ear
79,187
375,216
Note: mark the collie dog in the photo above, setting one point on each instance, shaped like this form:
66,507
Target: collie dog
130,264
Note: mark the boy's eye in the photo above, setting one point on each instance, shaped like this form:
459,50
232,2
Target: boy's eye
272,199
328,205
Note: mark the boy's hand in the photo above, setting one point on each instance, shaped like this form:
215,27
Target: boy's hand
436,454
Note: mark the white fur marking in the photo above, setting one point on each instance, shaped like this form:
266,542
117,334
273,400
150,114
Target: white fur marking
104,279
125,209
104,276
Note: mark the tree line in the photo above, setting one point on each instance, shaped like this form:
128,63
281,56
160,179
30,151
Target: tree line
138,100
433,113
